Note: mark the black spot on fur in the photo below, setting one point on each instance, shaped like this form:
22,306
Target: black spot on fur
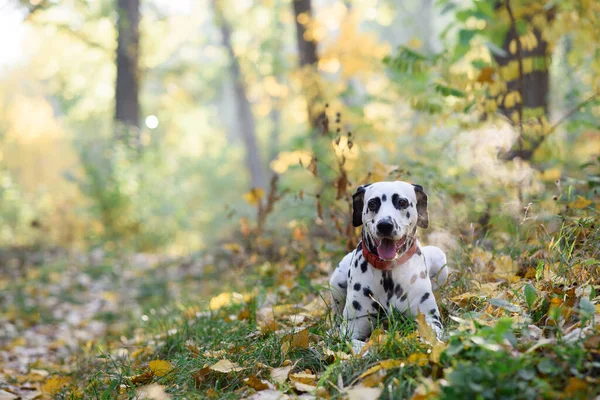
432,311
373,221
374,204
438,324
343,285
407,214
403,298
367,292
378,307
398,290
363,266
381,281
356,305
357,286
425,297
383,197
356,263
419,251
348,272
388,282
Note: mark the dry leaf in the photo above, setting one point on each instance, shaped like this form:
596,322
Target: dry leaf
303,377
268,395
425,330
141,378
153,391
200,375
362,393
160,367
4,395
297,340
225,366
303,387
581,202
280,375
54,385
258,384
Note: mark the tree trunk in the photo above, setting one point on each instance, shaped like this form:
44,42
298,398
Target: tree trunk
127,86
244,113
308,59
532,82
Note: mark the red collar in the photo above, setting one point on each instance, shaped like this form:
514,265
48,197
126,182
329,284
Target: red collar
385,265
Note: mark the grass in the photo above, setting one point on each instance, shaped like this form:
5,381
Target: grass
522,325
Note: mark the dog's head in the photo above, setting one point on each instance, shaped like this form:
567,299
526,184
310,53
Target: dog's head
390,212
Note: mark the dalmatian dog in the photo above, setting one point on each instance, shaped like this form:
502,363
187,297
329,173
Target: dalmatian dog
389,268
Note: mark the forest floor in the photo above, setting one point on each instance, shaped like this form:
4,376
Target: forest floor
519,324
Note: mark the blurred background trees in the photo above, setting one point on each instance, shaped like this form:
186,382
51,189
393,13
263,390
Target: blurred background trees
139,124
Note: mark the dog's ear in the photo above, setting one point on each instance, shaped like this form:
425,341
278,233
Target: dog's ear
358,204
423,216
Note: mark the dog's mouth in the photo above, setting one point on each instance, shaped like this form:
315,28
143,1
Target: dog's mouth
387,249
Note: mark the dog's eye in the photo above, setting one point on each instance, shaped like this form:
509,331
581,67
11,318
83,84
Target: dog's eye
399,202
374,204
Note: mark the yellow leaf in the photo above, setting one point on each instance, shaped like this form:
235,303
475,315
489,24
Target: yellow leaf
254,196
370,371
425,331
551,175
53,385
160,367
389,364
303,377
580,203
297,340
225,299
420,359
225,366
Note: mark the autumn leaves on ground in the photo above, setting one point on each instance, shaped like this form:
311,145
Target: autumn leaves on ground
176,182
521,323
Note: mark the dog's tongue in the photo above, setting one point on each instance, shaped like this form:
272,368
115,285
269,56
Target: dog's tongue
387,249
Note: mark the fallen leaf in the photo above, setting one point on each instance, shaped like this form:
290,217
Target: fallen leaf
258,384
153,391
280,375
54,385
303,387
362,393
141,378
268,395
303,377
296,340
4,395
581,202
225,366
160,367
200,375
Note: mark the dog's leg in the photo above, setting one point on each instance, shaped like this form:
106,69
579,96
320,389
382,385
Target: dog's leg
422,301
358,324
437,265
339,284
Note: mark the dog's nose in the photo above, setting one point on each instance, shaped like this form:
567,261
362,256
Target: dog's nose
385,227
